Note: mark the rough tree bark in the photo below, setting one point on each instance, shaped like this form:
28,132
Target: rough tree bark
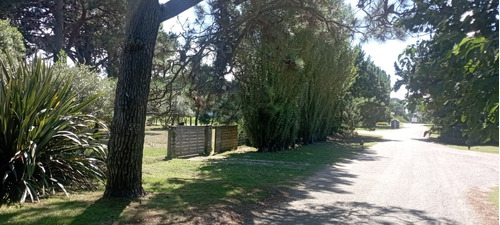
127,128
58,28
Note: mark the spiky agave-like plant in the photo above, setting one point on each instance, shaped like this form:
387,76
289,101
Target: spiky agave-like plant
45,143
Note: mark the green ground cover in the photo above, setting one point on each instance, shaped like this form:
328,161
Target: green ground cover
478,148
380,127
180,190
494,196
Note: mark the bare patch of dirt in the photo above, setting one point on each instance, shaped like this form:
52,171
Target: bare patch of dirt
486,209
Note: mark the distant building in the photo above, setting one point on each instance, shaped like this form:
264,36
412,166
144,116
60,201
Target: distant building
414,118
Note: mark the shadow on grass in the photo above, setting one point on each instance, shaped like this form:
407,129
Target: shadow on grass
385,127
63,211
365,141
219,191
102,211
225,190
237,188
372,138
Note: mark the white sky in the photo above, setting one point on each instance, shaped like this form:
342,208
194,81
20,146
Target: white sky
383,54
174,24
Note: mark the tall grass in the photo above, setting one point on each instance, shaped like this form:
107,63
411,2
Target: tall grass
45,143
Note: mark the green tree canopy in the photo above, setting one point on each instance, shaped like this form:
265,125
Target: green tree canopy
11,40
89,31
372,89
454,74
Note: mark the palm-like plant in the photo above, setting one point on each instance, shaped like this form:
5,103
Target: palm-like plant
45,143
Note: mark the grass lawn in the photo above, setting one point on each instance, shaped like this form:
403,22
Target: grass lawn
434,137
381,127
196,190
481,148
494,196
478,148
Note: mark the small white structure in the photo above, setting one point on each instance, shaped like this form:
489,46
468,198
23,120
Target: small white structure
414,119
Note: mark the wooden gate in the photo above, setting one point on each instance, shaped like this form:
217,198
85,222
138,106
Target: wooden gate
197,140
226,138
189,140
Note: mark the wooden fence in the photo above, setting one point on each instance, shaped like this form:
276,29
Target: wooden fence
197,140
226,138
189,140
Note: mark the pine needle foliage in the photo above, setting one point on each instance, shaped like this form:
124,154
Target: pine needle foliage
46,145
329,72
269,98
292,87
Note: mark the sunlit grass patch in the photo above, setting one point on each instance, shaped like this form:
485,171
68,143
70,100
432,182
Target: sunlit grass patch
479,148
494,196
434,137
56,210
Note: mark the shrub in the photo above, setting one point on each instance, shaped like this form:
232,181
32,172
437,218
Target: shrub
45,143
242,135
401,119
382,124
87,83
11,40
454,135
205,118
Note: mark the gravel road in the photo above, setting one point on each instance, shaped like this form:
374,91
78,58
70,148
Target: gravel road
402,180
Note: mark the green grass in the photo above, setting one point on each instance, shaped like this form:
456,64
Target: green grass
494,196
434,137
180,189
480,148
381,127
387,127
401,119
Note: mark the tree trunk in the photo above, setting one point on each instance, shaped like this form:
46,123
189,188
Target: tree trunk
58,28
197,115
127,128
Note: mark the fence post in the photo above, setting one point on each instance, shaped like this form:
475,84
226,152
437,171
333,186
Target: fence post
208,140
216,139
171,143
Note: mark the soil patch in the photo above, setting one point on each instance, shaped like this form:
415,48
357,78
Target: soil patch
485,209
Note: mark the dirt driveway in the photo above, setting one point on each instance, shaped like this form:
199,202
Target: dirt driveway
403,180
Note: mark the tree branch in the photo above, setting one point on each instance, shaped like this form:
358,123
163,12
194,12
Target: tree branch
175,7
